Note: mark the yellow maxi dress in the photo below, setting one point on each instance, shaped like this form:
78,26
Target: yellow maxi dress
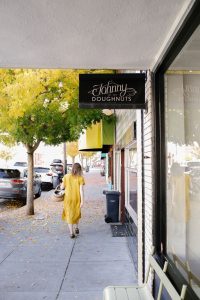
71,211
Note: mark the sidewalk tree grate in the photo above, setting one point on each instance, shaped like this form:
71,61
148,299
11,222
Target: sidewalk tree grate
118,230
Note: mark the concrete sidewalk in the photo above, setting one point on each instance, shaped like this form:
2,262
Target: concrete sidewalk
39,261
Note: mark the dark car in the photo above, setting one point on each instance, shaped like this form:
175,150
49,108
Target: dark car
13,184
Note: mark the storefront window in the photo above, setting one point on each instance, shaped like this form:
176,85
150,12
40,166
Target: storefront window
131,179
117,178
182,115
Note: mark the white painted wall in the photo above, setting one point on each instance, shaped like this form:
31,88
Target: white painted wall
148,171
124,121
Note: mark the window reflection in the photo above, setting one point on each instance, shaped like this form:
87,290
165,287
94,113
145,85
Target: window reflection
132,178
133,189
182,95
182,115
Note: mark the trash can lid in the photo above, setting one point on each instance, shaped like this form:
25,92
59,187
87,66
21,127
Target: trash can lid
111,192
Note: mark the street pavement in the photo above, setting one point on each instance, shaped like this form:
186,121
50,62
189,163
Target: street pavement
39,261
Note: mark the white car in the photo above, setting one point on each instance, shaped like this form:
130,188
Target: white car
20,165
46,176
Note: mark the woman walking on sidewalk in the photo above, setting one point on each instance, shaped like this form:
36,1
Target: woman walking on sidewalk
73,199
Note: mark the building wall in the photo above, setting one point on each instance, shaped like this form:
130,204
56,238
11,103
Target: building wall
125,120
145,139
125,136
140,196
148,139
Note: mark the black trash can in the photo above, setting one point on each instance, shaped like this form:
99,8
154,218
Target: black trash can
112,206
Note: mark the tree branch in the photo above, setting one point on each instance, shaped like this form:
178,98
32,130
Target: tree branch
36,145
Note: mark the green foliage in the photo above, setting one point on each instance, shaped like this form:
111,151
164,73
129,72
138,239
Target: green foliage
42,105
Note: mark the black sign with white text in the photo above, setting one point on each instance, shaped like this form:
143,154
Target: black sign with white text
112,91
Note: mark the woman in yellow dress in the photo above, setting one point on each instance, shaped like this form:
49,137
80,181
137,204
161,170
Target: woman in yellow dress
73,199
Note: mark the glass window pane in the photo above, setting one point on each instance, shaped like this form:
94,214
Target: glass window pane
133,189
131,171
182,115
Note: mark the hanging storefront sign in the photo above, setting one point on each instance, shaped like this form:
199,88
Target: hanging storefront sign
112,91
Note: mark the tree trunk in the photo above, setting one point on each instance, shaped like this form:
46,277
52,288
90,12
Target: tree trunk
30,191
73,159
30,195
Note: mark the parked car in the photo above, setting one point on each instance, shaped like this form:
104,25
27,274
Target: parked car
20,164
46,176
13,184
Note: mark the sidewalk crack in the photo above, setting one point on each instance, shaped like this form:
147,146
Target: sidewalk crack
66,270
9,254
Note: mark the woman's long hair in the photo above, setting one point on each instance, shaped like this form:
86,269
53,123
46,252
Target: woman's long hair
76,169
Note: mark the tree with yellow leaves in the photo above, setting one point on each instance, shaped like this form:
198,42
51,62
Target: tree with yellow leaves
72,150
6,155
41,106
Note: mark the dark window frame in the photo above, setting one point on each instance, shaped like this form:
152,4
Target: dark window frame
191,22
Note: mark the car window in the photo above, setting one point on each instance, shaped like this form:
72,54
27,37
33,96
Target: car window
20,164
9,173
41,170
